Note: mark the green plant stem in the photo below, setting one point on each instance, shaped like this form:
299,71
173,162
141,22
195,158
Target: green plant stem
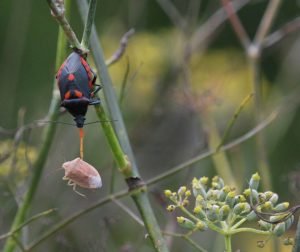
236,225
47,139
227,239
210,224
120,157
249,230
88,24
108,90
119,195
119,133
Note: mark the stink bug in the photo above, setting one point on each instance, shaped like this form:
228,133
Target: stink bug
76,83
79,172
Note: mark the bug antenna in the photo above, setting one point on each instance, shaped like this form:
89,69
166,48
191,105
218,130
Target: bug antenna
58,122
100,121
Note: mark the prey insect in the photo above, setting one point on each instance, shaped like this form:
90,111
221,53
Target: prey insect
77,85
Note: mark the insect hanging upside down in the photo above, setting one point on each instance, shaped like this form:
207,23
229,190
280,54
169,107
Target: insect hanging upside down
76,83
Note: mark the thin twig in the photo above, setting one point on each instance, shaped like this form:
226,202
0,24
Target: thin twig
33,218
60,17
266,22
187,238
283,32
124,82
207,29
173,14
129,212
123,45
52,230
88,24
233,120
236,24
209,153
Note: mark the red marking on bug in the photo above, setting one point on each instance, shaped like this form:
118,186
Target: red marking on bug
68,95
71,77
78,93
79,172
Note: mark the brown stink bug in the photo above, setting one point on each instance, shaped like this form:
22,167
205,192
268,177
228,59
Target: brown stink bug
79,172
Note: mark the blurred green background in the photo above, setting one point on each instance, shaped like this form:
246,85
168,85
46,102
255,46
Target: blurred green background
165,102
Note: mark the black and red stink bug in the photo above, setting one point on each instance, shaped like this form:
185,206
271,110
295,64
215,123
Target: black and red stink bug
76,83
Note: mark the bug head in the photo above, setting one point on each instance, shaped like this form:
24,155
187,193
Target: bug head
79,120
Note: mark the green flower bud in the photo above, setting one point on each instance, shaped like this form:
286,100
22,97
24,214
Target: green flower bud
213,213
241,208
168,193
223,193
274,198
188,193
199,213
185,223
230,199
289,222
254,181
181,190
268,194
282,207
252,194
217,182
171,208
185,202
279,229
265,226
199,201
224,212
198,188
240,198
261,198
267,205
174,197
212,194
252,216
200,225
204,181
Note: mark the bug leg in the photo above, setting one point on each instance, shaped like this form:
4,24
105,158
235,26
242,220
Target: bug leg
95,101
98,87
74,189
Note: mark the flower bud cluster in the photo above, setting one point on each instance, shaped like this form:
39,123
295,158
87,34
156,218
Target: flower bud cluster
214,203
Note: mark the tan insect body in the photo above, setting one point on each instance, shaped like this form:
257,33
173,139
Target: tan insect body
79,172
